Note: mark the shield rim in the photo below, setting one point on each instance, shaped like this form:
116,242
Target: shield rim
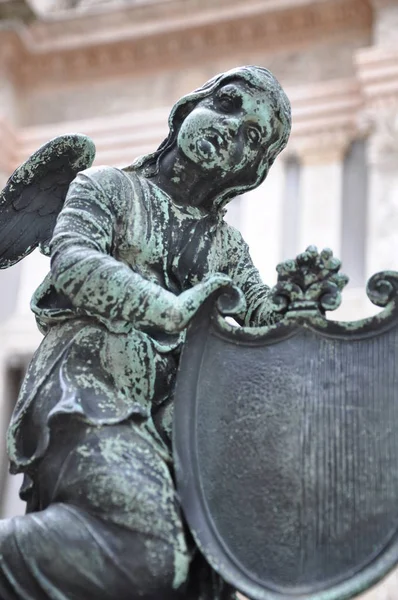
208,322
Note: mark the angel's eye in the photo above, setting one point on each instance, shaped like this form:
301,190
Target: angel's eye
228,103
254,135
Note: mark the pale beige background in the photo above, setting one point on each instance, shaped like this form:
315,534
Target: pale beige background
113,68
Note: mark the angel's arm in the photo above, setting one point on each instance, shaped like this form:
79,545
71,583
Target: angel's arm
246,276
81,263
84,270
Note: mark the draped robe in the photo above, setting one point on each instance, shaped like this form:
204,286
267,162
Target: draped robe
103,370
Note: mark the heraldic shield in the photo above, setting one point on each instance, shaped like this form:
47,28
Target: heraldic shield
286,439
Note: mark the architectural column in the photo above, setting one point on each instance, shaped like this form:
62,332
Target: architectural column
261,222
385,25
321,191
324,124
378,73
382,247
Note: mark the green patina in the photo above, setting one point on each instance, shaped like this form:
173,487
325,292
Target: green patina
135,253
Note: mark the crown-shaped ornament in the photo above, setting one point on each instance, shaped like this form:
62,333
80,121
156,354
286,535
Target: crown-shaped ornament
310,282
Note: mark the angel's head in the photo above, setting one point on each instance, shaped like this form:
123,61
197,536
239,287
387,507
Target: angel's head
230,130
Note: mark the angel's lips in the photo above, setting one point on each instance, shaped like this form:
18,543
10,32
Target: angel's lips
205,148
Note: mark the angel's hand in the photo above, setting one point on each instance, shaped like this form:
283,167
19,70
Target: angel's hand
187,304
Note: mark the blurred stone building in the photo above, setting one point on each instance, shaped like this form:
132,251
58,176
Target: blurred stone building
113,68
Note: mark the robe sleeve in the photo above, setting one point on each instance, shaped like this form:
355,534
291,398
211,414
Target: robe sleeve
245,275
83,266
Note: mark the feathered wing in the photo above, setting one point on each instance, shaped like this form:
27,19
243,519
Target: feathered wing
35,193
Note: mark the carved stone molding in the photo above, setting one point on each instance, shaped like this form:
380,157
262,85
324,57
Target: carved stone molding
69,6
325,116
177,32
377,69
185,13
377,4
324,123
119,139
378,77
16,10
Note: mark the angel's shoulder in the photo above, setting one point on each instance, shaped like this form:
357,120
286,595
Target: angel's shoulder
102,177
102,184
231,236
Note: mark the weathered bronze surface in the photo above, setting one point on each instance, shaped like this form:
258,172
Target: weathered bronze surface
285,439
284,445
135,253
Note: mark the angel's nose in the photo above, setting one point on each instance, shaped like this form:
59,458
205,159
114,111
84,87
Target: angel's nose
232,125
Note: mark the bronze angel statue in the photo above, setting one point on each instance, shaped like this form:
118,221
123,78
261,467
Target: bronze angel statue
134,254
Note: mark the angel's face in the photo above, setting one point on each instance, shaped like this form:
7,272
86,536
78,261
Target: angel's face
228,132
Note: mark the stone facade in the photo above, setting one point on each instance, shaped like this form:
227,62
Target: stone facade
112,69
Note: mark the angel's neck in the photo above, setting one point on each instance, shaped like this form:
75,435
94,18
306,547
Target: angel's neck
184,181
